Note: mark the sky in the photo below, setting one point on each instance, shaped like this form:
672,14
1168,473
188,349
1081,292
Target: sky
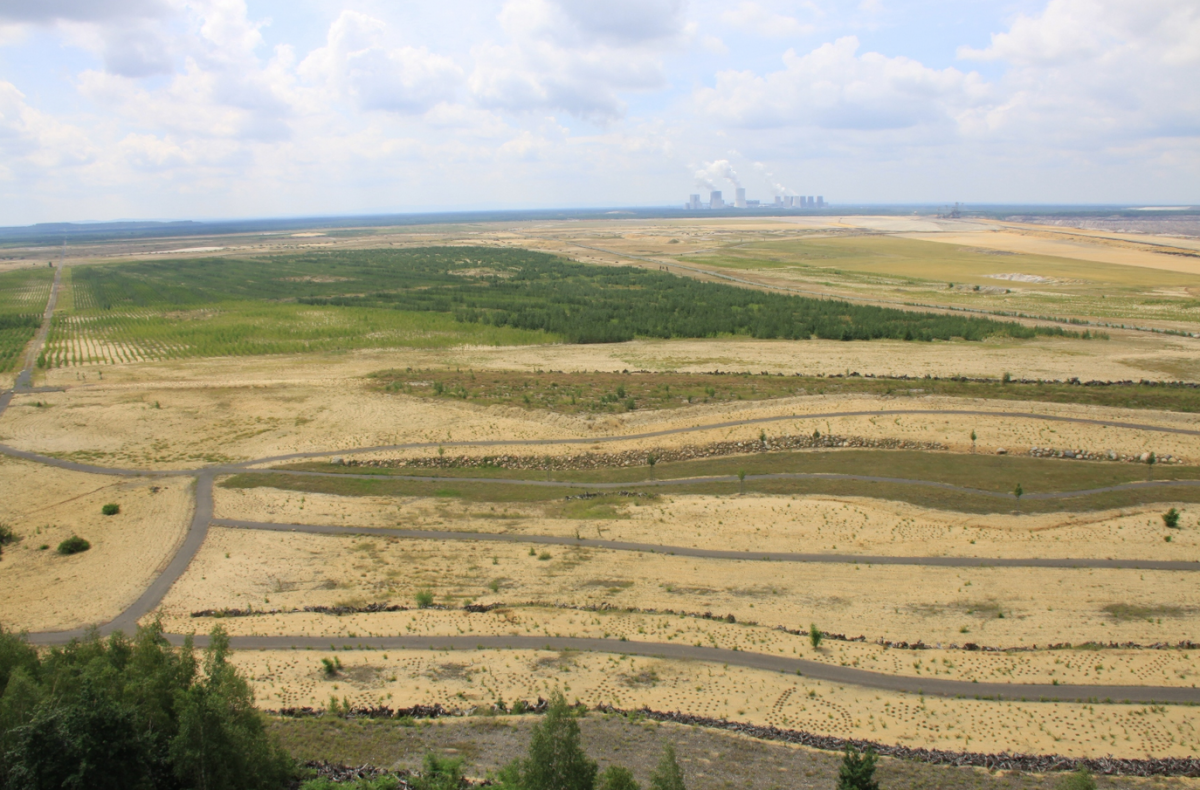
201,109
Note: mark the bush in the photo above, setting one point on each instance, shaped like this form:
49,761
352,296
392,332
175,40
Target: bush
616,777
7,535
73,545
1171,518
424,598
438,773
857,771
815,635
1079,779
667,774
111,509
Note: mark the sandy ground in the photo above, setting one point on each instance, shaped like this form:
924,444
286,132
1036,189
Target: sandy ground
755,522
994,606
41,590
162,416
462,679
1124,667
1073,244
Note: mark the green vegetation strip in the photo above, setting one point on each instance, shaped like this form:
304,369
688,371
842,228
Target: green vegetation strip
23,297
601,392
983,472
437,296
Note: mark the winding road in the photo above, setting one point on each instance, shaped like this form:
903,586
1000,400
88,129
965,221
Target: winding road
203,517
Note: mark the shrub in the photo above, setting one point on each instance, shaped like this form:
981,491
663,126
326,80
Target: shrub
857,771
73,545
1171,518
616,777
667,774
111,509
1079,779
7,535
545,555
815,636
424,598
438,773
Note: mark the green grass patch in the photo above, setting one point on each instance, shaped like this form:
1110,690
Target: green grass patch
585,392
23,297
435,297
986,472
997,474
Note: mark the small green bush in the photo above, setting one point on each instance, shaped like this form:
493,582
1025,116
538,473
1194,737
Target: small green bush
815,636
424,598
857,771
1171,518
111,509
73,545
616,777
1080,779
7,535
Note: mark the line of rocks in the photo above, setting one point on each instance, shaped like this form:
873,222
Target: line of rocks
482,608
629,458
1031,763
1028,763
1106,455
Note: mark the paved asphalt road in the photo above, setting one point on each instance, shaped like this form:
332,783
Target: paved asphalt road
811,669
686,551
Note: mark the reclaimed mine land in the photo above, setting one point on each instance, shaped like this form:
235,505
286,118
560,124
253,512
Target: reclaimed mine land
755,488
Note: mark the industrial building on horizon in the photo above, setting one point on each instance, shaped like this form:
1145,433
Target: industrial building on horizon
716,201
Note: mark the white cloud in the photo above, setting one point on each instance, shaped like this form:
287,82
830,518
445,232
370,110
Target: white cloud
752,16
833,87
577,56
31,140
358,66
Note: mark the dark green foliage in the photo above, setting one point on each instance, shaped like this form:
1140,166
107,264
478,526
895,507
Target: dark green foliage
424,598
7,535
519,289
616,777
111,509
857,771
815,635
130,715
385,782
438,773
1171,518
556,760
1076,780
667,774
73,545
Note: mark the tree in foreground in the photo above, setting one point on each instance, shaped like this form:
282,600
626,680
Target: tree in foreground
556,759
667,774
131,714
857,771
815,635
1171,518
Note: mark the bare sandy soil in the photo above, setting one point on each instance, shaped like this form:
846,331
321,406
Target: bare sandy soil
180,416
463,679
994,606
1076,244
42,590
755,522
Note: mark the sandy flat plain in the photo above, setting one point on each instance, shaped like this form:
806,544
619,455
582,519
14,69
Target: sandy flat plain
755,522
463,679
143,416
996,606
42,590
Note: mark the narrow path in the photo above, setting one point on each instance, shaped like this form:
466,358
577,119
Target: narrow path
792,666
687,551
25,377
684,481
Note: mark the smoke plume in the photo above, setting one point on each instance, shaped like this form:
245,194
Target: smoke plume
769,177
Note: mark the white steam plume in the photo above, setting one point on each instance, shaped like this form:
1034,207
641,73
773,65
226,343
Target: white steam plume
717,170
769,177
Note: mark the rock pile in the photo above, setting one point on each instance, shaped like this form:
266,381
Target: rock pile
639,457
1106,455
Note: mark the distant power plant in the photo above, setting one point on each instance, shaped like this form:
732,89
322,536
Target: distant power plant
715,201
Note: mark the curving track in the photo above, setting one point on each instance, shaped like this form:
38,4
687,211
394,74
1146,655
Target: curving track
202,518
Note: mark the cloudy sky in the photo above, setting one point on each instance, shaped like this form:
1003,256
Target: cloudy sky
233,108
